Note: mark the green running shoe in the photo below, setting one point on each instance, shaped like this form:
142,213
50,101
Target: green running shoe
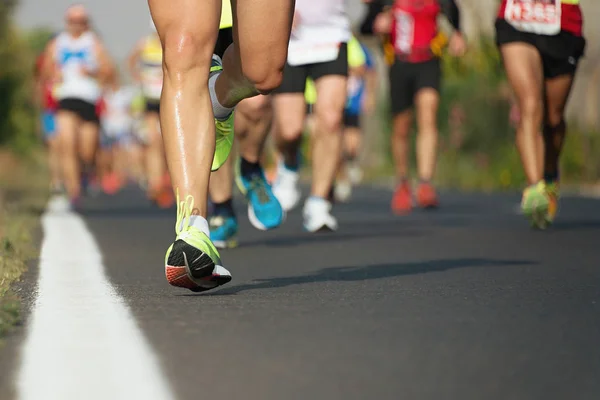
553,193
193,262
223,128
535,204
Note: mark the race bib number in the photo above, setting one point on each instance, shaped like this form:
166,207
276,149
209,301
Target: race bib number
542,17
405,32
312,53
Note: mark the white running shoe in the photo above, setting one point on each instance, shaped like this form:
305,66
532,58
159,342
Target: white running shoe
342,191
286,188
355,173
317,215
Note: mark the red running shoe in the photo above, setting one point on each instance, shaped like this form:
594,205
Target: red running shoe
426,196
402,200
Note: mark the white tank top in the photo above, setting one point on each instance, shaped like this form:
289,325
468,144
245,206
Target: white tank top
71,55
323,25
117,117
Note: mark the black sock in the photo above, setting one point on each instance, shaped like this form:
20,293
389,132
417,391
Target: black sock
249,168
551,177
87,169
292,165
224,208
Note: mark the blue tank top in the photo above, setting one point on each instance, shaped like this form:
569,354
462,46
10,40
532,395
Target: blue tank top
356,87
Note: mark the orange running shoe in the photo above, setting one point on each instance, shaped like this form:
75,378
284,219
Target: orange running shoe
426,196
402,200
165,198
111,183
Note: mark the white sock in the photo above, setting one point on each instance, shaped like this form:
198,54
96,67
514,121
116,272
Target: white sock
221,112
200,223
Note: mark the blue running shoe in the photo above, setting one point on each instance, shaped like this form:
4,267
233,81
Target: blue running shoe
223,231
264,210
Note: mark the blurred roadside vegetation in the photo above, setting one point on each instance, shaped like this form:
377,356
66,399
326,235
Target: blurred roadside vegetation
18,114
23,178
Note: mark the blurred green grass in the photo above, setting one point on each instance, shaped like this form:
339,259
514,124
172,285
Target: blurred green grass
23,195
23,177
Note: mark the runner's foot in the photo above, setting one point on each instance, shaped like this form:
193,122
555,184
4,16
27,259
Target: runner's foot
192,261
535,205
285,187
264,210
317,215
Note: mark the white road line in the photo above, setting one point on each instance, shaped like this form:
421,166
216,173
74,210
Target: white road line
82,341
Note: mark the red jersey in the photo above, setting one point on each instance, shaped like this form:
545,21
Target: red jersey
48,101
414,26
101,107
544,17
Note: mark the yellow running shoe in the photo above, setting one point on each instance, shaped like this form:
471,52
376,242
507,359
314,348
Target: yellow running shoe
193,262
223,128
534,205
552,191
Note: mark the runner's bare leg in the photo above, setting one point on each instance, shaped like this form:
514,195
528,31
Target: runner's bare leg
327,138
188,31
254,63
252,126
252,123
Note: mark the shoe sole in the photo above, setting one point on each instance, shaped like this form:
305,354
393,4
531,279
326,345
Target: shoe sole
322,229
217,164
255,222
552,212
181,276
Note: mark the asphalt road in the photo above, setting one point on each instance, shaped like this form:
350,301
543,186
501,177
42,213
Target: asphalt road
462,303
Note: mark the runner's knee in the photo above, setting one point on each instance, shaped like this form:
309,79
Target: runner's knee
554,119
264,74
402,125
330,121
289,131
531,107
185,52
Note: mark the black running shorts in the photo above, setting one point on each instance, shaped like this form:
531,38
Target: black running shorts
152,106
224,39
560,53
351,120
407,79
294,77
309,109
84,110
